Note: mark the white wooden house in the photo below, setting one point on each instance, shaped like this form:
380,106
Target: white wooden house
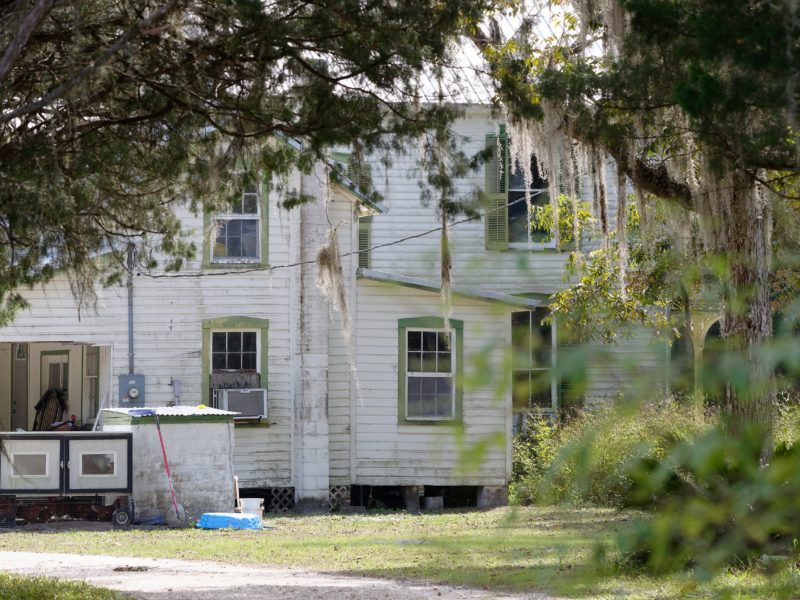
399,397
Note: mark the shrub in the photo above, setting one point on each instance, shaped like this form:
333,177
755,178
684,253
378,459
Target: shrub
585,459
718,505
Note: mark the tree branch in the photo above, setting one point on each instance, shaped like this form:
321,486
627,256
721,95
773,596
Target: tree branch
135,30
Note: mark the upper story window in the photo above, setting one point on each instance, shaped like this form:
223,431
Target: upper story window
237,233
522,230
508,217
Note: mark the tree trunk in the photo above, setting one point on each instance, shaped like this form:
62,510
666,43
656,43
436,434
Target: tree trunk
741,222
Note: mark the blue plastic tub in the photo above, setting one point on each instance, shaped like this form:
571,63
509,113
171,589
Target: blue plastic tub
222,520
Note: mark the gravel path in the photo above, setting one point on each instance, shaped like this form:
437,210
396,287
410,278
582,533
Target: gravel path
157,579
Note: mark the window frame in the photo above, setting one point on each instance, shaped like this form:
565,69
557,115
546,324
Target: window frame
241,351
555,390
456,331
495,193
534,192
261,217
232,324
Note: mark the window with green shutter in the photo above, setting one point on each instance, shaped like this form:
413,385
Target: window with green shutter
507,217
364,242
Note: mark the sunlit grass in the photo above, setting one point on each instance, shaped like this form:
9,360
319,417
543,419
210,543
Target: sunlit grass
548,548
42,588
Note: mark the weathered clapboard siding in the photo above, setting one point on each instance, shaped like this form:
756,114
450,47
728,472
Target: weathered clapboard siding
512,271
341,348
390,453
168,316
634,367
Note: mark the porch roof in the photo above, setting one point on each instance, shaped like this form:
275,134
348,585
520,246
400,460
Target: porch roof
465,292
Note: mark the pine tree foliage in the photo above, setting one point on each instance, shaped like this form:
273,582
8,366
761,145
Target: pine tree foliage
111,113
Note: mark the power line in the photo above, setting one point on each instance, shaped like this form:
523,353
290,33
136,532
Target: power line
308,262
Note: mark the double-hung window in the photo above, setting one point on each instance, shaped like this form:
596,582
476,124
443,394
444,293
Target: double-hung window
534,357
509,216
430,367
237,233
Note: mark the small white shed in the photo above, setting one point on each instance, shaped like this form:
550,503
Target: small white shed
199,446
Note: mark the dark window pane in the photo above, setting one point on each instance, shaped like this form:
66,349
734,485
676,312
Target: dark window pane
249,361
429,341
443,340
542,349
236,208
218,361
516,179
428,362
249,243
444,365
234,362
415,340
249,341
541,389
250,204
234,247
414,362
218,342
517,217
428,386
521,390
234,341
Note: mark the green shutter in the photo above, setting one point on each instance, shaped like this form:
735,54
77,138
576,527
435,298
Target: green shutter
364,243
496,174
495,192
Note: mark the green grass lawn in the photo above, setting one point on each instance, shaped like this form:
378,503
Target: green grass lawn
13,587
506,549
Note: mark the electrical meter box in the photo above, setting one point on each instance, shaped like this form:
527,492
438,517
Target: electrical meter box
131,390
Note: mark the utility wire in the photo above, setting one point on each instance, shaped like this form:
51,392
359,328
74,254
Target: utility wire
308,262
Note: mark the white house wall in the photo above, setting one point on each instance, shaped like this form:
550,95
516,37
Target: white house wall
341,348
168,315
512,271
392,453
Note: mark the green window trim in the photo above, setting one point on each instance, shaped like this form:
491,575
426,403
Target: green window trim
208,230
234,323
403,325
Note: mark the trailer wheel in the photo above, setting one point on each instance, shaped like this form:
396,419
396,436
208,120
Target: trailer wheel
121,517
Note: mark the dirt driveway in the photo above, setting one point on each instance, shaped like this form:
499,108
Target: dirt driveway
157,578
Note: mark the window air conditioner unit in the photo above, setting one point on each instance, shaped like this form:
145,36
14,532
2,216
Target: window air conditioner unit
250,403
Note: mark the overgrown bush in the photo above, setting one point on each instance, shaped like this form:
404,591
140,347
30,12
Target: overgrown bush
585,458
718,505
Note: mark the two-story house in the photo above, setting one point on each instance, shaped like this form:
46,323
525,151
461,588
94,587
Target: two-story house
362,383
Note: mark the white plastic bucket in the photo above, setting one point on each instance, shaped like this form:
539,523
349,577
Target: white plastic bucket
253,505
